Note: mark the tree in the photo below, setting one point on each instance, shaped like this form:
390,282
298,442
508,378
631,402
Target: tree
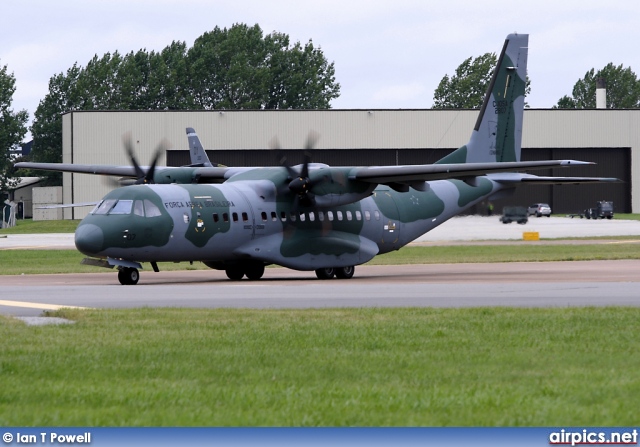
235,68
467,87
623,89
239,68
13,127
46,129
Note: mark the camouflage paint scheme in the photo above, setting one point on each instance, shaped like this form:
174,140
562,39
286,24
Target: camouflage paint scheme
241,219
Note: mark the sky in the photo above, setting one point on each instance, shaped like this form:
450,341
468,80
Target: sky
387,54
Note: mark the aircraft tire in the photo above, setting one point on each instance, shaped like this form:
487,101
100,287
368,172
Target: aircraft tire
234,273
254,271
345,272
326,273
128,276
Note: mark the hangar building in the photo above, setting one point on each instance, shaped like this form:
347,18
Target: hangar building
610,138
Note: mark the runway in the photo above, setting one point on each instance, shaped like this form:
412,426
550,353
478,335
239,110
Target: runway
536,284
547,284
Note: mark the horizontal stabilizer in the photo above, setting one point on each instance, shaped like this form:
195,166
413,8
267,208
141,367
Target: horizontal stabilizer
516,178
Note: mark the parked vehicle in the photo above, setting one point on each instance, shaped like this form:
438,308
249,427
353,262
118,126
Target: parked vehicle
514,214
539,210
602,210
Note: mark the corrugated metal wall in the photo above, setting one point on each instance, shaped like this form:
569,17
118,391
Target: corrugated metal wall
356,137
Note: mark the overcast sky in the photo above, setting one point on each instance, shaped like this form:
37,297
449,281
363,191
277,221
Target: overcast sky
387,54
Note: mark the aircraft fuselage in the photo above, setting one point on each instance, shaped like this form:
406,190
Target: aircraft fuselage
249,221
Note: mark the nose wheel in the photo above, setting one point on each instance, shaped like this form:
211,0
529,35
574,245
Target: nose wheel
128,276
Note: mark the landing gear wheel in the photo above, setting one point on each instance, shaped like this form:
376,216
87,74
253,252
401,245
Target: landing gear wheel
128,276
234,273
345,272
326,273
254,271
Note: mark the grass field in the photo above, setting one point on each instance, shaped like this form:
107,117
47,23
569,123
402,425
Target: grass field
17,262
347,367
329,367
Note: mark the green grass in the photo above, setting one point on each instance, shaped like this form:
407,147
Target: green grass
29,226
627,216
33,262
16,262
347,367
508,253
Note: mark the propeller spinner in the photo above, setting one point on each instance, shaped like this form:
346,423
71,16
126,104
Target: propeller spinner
299,182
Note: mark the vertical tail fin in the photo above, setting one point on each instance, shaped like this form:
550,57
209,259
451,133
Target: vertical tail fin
497,135
198,155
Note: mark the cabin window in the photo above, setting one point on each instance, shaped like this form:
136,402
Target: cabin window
105,206
215,217
292,217
122,207
367,215
274,216
349,215
283,216
225,217
339,214
264,216
376,213
303,217
312,216
138,208
150,209
358,215
245,217
330,215
234,216
321,216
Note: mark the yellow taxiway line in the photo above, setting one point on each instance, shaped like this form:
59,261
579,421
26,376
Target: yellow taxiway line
37,305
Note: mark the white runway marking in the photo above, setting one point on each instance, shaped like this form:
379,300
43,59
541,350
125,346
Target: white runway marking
37,305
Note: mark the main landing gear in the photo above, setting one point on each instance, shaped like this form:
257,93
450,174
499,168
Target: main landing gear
338,272
251,271
128,276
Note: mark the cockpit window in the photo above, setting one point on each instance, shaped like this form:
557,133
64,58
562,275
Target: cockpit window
138,208
104,207
122,207
150,209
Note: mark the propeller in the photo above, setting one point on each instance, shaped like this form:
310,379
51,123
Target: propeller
142,177
299,182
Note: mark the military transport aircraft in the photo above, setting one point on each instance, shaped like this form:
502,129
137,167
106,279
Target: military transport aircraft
310,216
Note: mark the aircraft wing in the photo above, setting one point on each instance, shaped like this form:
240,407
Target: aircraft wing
421,173
122,171
202,174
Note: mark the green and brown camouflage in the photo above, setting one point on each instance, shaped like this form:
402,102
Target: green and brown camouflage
311,216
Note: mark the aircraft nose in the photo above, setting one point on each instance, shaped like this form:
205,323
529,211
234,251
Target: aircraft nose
89,239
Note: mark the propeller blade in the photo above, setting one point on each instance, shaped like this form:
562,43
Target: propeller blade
300,184
127,141
143,177
162,147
